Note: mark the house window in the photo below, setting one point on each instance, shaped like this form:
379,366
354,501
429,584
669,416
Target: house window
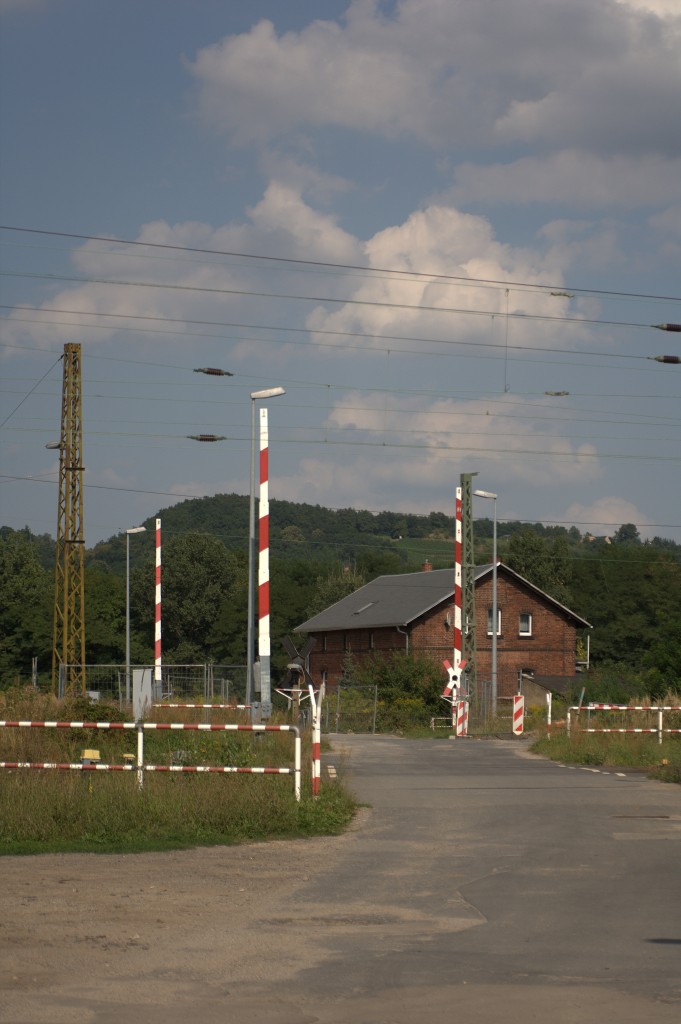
489,621
346,642
371,641
325,643
525,624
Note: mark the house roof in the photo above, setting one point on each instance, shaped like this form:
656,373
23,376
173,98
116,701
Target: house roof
400,599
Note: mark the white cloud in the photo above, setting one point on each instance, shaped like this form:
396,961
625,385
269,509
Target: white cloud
441,240
605,515
598,76
432,433
188,284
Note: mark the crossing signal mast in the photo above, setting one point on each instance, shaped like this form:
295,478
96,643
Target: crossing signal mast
468,582
68,649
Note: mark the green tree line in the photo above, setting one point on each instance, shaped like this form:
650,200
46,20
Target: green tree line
629,590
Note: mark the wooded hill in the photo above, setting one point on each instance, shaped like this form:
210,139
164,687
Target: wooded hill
629,590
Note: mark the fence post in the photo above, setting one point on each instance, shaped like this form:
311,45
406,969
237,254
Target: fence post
660,715
140,755
297,763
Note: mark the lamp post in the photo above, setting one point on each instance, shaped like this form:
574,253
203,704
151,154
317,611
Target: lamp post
495,613
133,529
255,396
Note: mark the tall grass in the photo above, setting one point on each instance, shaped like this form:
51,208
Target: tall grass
624,750
47,810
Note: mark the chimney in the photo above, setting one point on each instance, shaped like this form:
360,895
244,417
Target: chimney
426,567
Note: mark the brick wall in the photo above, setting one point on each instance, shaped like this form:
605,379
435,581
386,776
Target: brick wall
549,651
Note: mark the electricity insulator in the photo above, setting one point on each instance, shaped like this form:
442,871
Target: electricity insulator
675,328
206,437
666,359
213,371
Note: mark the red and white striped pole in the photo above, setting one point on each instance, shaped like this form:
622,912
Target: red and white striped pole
316,740
158,675
454,683
264,570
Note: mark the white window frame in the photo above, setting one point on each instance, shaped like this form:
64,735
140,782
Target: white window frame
528,631
489,621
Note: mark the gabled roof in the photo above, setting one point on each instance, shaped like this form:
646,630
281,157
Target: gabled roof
400,599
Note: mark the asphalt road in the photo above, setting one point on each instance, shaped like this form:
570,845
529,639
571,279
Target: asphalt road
480,884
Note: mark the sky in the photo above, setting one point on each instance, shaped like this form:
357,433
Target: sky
419,218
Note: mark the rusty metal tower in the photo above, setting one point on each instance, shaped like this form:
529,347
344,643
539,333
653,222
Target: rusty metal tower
68,649
468,581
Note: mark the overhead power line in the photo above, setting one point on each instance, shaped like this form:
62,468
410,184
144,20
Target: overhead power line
281,296
557,288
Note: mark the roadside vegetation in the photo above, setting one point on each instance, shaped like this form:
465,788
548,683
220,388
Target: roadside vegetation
633,751
53,810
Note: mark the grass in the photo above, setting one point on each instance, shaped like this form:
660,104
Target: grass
637,751
61,810
643,753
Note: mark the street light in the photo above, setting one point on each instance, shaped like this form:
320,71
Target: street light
255,396
133,529
495,613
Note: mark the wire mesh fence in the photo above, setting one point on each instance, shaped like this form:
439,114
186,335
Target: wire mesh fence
114,683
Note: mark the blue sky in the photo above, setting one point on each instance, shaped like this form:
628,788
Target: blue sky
370,204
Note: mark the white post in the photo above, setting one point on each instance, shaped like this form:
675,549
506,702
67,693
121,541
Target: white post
140,755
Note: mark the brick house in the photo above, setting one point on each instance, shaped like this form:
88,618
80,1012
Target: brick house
413,612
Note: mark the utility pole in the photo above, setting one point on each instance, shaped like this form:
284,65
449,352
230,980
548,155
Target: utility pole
68,646
468,581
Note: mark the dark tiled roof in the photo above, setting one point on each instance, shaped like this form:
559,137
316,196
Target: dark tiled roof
399,600
387,601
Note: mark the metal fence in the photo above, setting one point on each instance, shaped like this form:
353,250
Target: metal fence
178,682
350,709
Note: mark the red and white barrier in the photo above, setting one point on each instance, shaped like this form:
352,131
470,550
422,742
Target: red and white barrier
67,725
141,728
659,710
518,714
215,707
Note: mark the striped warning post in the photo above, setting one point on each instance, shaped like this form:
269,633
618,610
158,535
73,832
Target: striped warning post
462,718
316,740
264,568
518,714
158,673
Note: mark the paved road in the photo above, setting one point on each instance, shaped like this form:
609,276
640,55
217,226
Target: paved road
481,884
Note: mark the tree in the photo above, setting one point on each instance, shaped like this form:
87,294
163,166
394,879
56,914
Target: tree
104,616
26,590
627,534
199,582
334,587
545,563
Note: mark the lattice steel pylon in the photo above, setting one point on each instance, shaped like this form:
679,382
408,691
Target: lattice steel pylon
468,581
68,647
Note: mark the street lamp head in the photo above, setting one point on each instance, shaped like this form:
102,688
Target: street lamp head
268,393
53,445
486,494
137,529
